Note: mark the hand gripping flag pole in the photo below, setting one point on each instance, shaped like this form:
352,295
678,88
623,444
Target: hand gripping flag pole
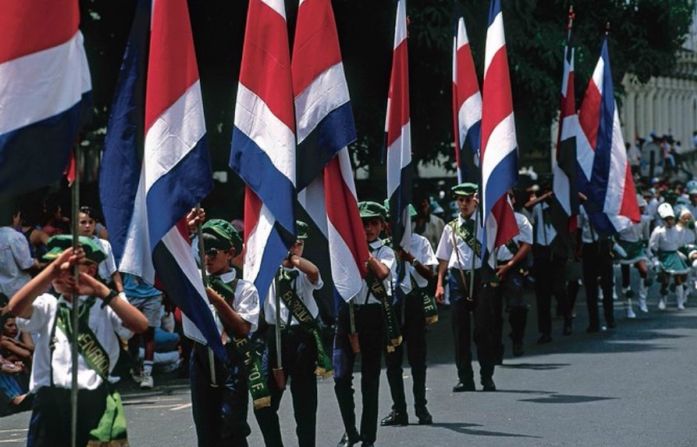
204,278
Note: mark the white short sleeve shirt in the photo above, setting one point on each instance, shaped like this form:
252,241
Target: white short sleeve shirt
15,257
303,287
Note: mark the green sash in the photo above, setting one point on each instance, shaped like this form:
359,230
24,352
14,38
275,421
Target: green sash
377,288
111,430
298,309
261,396
429,302
467,234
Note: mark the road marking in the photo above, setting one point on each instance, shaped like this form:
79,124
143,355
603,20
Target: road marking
14,429
150,401
180,407
18,440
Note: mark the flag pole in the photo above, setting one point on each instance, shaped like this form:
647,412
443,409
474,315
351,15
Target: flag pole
204,278
278,375
75,212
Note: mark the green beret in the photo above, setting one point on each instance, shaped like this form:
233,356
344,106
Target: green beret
370,210
465,189
58,244
221,234
302,229
410,207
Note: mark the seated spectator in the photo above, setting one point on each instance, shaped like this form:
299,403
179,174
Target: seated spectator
16,349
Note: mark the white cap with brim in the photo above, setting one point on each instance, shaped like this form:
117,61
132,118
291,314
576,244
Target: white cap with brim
665,211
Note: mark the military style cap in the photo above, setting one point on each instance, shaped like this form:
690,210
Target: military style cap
58,244
221,234
410,207
370,210
302,229
665,211
464,189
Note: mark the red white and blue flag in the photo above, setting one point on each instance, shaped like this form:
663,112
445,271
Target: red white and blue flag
604,174
499,157
325,128
398,132
45,91
564,154
263,141
467,108
155,166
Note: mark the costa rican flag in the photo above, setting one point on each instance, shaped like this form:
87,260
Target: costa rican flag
604,173
325,129
263,141
45,91
155,166
398,130
564,154
467,108
499,157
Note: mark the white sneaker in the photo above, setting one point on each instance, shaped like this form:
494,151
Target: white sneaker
680,297
147,382
630,311
661,304
642,305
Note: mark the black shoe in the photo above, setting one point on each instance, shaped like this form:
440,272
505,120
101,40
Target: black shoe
544,338
518,349
488,384
424,416
349,441
592,329
395,418
464,386
367,444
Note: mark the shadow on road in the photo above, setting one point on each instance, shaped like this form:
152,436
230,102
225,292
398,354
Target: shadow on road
534,366
466,429
566,399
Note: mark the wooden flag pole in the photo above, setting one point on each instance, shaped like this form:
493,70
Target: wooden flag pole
75,193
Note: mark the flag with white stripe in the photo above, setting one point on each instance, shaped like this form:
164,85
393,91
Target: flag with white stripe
564,153
499,158
467,108
155,166
604,175
325,128
263,141
398,130
45,91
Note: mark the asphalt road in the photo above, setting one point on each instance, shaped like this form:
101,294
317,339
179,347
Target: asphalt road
632,386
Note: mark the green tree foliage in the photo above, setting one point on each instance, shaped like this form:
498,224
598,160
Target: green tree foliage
644,37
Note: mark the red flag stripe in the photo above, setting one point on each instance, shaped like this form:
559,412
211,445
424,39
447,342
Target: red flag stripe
316,43
398,107
266,45
497,104
28,26
171,45
589,115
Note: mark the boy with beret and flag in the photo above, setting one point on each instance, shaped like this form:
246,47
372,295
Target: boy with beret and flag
459,253
219,390
415,310
47,316
366,324
291,304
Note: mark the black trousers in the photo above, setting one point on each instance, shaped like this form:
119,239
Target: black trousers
550,279
414,334
50,419
597,271
472,321
299,356
508,297
371,334
220,412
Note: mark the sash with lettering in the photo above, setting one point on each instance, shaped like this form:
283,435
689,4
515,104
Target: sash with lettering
111,430
428,300
251,357
285,288
466,233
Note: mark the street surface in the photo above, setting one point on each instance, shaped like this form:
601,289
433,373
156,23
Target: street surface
634,386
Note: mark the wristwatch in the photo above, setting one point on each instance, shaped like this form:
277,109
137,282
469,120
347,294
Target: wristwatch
107,299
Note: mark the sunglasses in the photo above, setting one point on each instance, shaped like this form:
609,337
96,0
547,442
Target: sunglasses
212,252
